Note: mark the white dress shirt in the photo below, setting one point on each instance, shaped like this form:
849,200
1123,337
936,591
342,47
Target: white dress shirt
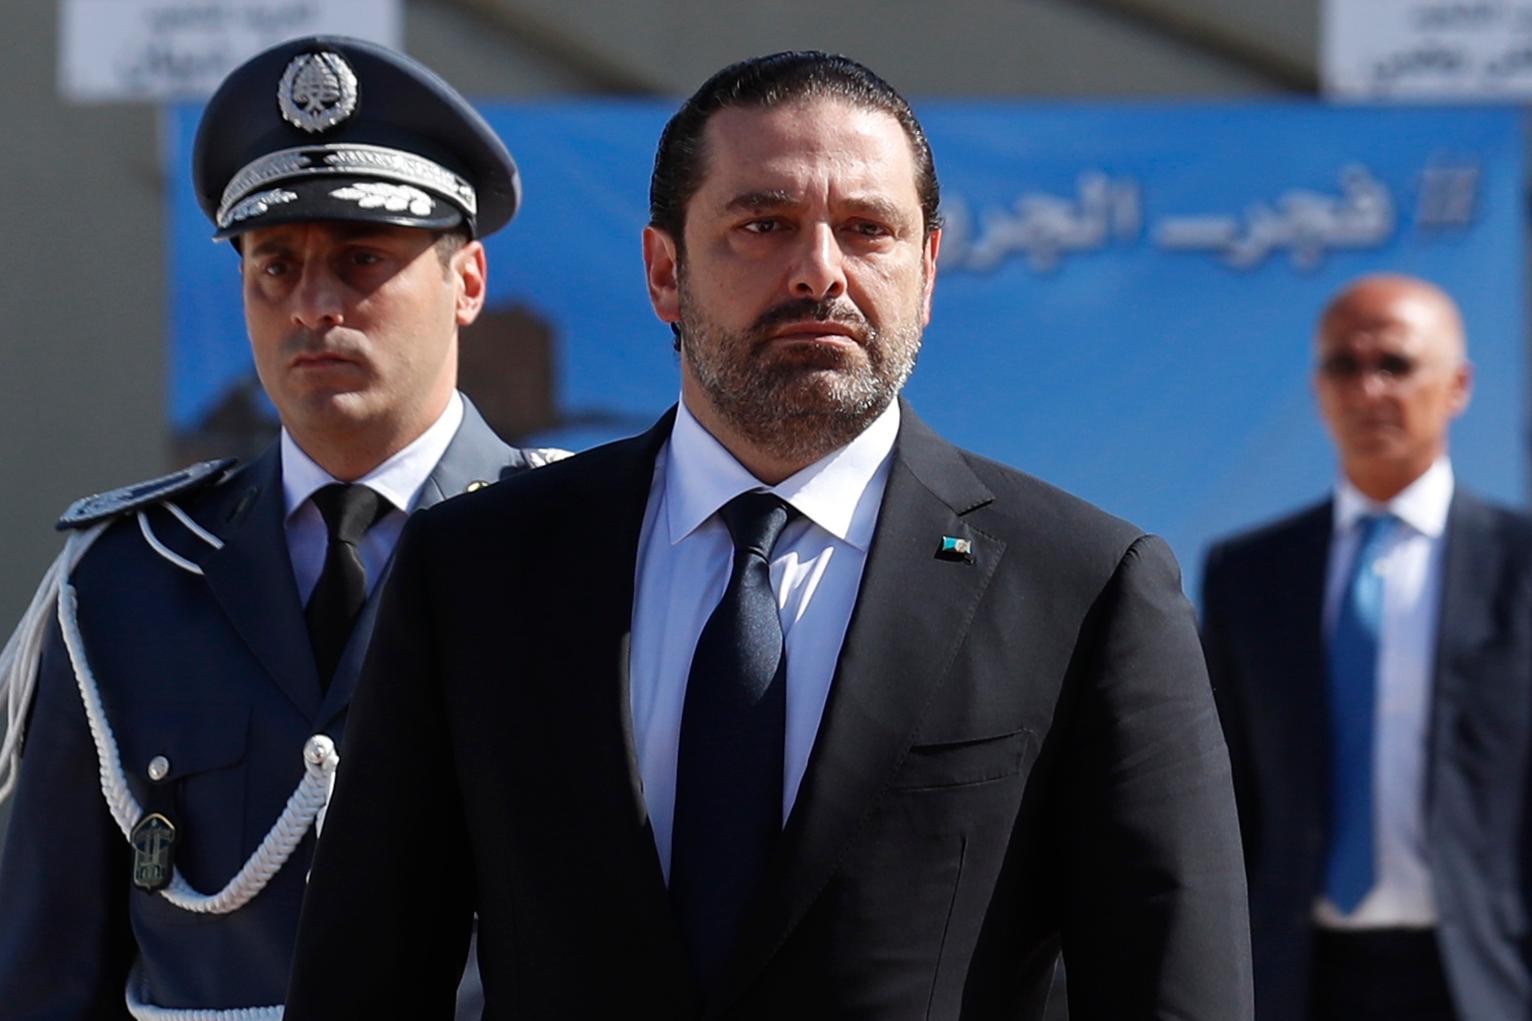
398,481
685,557
1411,564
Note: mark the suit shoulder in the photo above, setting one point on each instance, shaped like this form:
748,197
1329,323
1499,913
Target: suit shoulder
112,503
560,480
1281,536
1504,517
1070,542
1041,506
1508,527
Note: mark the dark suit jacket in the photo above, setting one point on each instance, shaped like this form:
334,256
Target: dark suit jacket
1015,749
1263,597
216,674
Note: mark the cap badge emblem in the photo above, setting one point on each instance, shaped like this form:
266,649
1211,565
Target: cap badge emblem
317,92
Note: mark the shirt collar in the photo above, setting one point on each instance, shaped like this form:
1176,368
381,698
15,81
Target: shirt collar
701,476
1422,504
398,479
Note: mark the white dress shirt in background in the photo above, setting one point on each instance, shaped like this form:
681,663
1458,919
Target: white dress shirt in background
397,480
1411,563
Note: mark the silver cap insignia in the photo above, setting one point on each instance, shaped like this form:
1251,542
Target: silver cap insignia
317,92
395,198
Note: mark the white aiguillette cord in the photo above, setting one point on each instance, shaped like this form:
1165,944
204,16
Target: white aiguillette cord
18,679
20,660
19,668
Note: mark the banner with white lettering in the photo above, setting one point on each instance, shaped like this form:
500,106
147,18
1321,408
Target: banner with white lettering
181,49
1426,49
1124,306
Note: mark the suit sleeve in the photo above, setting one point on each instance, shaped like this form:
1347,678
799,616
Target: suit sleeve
1155,920
65,941
388,911
1227,693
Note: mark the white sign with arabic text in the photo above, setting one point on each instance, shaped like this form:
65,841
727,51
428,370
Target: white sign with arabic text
156,50
1427,49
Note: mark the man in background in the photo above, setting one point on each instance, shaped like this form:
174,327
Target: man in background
189,705
1372,659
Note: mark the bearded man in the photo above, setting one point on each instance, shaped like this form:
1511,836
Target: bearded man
810,711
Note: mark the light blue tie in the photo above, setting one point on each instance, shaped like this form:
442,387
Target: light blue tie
1350,870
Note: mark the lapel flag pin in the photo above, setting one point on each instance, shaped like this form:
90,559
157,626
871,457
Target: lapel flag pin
953,548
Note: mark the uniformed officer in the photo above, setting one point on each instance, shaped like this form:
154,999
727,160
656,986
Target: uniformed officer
184,672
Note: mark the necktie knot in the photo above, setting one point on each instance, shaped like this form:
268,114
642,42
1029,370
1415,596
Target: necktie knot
1372,531
755,521
349,510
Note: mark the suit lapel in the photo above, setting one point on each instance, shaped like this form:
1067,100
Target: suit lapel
896,653
602,530
476,454
1297,669
251,578
1301,615
1469,576
619,546
1471,587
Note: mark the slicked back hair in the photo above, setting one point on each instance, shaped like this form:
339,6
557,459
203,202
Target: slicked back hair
771,81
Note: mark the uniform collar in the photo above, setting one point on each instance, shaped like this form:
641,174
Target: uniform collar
398,479
701,476
1422,504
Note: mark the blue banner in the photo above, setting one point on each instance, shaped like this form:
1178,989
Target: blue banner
1124,306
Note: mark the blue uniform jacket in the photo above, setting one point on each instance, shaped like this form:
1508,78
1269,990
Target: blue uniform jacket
215,674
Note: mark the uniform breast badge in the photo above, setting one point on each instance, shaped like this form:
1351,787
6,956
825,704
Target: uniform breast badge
154,841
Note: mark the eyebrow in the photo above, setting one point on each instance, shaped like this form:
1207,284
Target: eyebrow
343,231
271,246
757,201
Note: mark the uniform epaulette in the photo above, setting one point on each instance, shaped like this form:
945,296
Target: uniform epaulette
537,457
101,506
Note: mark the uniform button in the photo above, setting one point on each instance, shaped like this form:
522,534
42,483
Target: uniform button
159,768
475,486
317,749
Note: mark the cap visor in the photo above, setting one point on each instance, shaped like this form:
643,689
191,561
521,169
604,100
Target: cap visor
355,199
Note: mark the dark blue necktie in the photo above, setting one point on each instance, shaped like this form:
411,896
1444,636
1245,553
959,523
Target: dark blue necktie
728,811
1350,870
348,512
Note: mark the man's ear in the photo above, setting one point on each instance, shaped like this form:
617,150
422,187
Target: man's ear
471,272
933,248
1462,388
662,271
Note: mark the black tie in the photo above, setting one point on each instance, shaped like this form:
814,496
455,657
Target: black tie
348,511
728,810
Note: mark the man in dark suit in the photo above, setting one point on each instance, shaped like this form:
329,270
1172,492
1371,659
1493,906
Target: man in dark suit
787,707
194,651
1372,658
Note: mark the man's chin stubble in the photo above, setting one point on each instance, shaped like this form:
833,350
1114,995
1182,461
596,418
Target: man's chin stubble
802,420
